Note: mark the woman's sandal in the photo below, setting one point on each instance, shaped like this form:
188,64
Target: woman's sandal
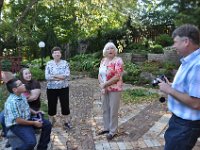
110,136
102,132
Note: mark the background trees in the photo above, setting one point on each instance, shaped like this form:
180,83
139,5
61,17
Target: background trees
59,22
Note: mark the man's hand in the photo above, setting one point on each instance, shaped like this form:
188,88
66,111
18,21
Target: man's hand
165,87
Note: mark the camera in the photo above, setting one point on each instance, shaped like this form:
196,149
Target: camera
156,81
37,117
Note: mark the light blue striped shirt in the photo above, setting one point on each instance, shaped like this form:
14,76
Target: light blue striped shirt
16,107
187,80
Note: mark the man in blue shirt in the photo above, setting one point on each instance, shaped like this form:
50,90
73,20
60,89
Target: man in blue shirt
18,120
184,92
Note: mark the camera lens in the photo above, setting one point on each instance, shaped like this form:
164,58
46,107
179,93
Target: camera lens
162,99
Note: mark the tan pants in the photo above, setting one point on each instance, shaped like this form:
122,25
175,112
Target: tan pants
111,102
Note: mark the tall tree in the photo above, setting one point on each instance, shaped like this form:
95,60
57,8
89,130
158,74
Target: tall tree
185,11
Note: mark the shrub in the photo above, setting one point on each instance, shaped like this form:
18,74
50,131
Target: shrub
35,63
157,49
37,73
132,72
151,66
84,62
164,40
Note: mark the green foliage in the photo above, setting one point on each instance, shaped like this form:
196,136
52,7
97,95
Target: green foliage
169,68
138,48
151,66
138,96
164,40
169,65
156,49
85,62
37,73
132,72
183,11
96,43
158,68
35,62
6,65
26,22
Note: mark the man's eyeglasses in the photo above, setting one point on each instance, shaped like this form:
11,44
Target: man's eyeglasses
19,84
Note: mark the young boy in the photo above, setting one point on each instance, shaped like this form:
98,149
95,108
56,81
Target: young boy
17,118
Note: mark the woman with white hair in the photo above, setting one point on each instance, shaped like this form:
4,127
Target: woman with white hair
110,81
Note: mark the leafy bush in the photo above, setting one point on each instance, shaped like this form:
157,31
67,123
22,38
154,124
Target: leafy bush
156,49
96,43
151,66
37,73
85,62
169,65
36,62
164,40
169,69
132,72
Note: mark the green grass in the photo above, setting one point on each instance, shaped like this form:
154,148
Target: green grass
135,96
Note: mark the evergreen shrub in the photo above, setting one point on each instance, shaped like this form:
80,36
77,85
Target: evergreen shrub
164,40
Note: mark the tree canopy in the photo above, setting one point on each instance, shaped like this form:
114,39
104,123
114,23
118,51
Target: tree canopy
24,23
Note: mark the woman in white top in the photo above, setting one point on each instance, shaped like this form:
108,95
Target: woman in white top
110,82
57,74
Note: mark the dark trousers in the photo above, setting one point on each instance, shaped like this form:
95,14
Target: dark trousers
27,135
181,134
53,95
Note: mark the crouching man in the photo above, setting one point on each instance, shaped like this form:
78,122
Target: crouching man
18,118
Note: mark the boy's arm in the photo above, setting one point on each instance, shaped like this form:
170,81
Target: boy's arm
28,123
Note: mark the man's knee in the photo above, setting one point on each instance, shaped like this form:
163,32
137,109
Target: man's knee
46,124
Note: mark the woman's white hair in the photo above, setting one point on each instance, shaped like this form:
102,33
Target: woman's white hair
109,45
